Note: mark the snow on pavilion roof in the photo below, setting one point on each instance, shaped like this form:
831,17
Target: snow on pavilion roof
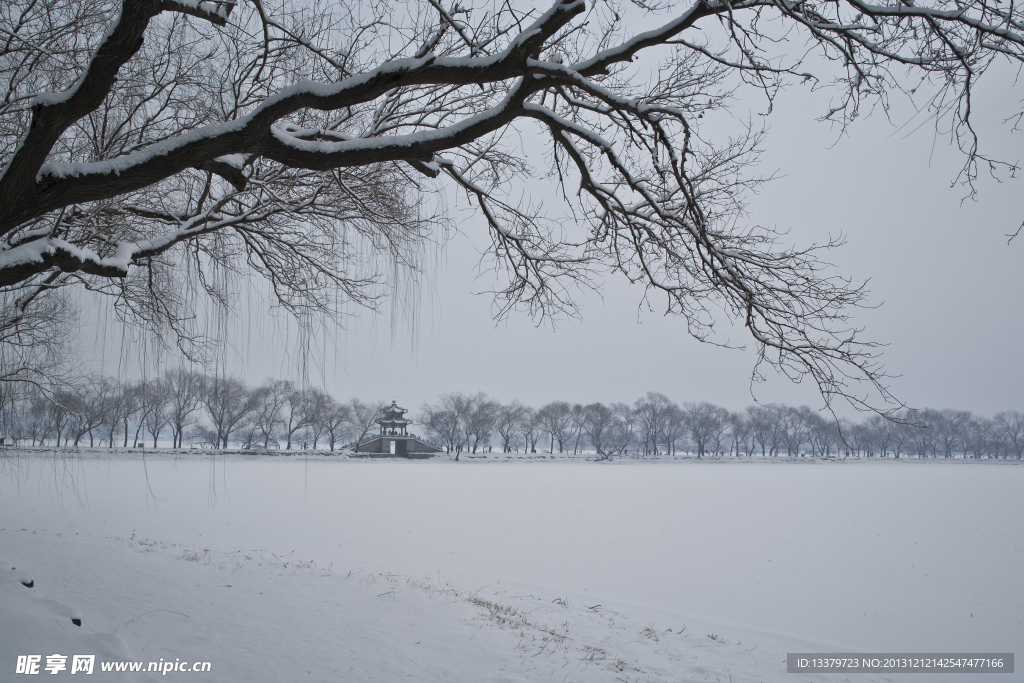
393,414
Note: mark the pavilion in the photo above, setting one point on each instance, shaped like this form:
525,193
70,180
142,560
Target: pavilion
394,438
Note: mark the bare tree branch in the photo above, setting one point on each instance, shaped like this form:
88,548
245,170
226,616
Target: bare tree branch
149,147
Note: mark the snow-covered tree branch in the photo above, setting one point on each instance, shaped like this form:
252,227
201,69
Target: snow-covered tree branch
148,144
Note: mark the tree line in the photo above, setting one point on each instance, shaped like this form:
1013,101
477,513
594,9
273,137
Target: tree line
654,424
187,407
182,406
146,148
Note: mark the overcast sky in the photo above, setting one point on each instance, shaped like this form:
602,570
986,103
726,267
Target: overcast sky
948,285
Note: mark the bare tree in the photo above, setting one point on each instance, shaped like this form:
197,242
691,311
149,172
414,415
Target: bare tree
705,423
882,433
902,433
444,426
89,405
131,406
532,428
185,388
480,418
856,437
447,421
148,147
247,433
318,403
269,400
508,425
739,429
36,419
9,397
156,400
721,428
599,425
61,415
576,419
675,428
651,413
924,436
295,412
37,326
979,437
624,435
822,434
557,420
1010,426
951,430
763,426
121,404
363,418
337,424
206,435
228,402
792,430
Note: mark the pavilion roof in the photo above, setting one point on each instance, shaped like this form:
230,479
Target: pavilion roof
393,415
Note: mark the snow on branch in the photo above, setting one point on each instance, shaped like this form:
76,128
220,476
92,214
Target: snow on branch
214,11
281,138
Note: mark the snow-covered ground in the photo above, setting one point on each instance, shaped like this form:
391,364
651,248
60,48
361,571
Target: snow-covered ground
318,568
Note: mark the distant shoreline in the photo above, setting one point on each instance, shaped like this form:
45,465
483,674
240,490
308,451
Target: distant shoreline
469,458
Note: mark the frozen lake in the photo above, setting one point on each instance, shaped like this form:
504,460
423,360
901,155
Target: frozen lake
857,556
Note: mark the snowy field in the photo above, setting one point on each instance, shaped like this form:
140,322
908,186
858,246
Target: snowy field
333,569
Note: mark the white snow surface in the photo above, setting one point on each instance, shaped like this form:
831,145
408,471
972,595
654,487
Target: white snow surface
332,569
